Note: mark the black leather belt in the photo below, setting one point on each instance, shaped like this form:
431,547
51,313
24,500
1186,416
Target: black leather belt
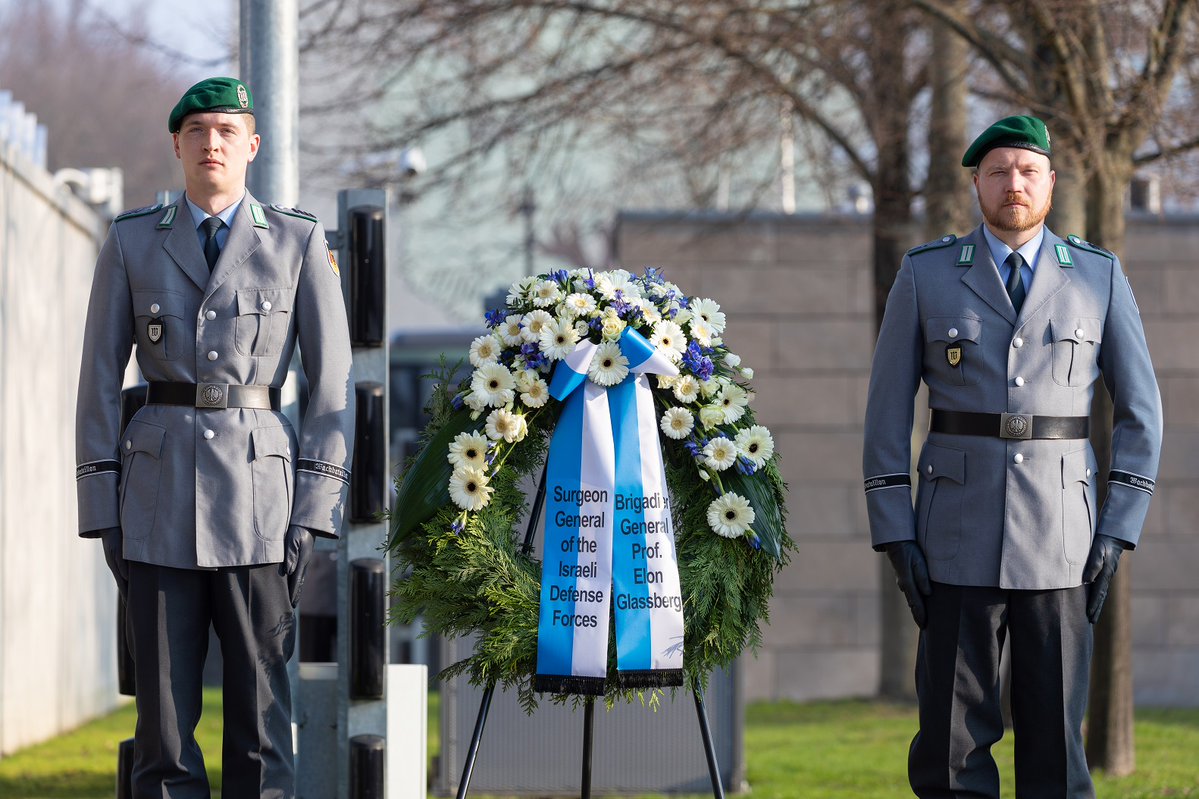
1009,425
214,395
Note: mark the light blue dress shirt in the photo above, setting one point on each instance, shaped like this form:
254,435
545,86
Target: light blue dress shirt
226,216
1030,251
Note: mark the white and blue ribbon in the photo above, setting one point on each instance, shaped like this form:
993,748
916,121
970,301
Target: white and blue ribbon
609,534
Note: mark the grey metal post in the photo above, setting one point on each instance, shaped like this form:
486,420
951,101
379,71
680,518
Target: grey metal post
270,64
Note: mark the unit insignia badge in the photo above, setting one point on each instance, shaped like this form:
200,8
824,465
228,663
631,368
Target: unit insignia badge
243,99
953,355
332,260
155,330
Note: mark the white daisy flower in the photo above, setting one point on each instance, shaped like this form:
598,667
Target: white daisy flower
730,515
469,489
650,312
535,394
608,365
579,303
701,331
485,349
720,453
733,400
518,294
608,283
534,322
509,330
668,337
546,293
504,424
755,443
710,312
493,383
468,451
710,416
686,389
677,423
558,339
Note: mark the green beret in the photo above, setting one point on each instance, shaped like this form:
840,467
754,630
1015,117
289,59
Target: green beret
222,95
1027,133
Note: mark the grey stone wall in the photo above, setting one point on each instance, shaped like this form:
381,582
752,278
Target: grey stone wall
798,293
57,600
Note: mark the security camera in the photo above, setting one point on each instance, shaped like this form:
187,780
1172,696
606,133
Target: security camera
412,162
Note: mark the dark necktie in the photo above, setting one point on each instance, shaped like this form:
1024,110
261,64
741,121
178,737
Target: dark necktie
1015,286
211,251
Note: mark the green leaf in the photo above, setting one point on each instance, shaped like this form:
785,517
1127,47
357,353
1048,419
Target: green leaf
425,487
768,521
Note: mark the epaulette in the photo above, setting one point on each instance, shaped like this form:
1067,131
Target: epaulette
1082,244
936,244
296,212
149,209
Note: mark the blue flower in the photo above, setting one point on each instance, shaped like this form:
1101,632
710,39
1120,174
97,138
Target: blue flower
457,527
534,358
495,317
700,365
653,275
457,402
560,275
745,465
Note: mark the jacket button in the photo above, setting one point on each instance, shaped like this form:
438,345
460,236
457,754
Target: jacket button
212,356
1080,332
209,435
128,445
210,315
928,469
953,332
1018,458
266,305
1019,381
1017,342
154,308
1088,471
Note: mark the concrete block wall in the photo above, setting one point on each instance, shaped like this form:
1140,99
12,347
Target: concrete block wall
57,599
798,293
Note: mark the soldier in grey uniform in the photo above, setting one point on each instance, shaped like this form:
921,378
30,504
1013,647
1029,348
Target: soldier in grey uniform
1009,327
208,500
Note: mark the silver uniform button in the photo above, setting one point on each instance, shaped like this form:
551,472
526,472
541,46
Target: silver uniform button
128,445
209,435
929,468
1019,381
212,356
947,238
1018,458
266,305
154,308
953,332
1088,472
1017,342
210,315
1080,332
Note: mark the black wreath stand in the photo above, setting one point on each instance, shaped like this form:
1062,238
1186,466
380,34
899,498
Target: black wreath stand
472,753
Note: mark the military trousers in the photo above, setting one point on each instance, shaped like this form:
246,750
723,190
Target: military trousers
169,614
958,687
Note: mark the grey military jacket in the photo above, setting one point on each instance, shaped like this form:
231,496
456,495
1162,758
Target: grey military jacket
201,488
994,511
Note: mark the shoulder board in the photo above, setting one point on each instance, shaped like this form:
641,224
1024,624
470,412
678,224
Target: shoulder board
149,209
296,212
936,244
1086,245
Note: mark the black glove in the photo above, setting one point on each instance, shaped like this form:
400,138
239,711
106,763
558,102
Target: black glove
110,537
911,574
1099,571
297,551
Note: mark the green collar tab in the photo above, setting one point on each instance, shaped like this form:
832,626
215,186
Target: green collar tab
966,255
1063,255
259,216
168,219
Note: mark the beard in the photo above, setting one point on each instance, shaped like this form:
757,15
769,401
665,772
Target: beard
1014,218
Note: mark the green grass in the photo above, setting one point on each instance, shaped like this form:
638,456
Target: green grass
852,749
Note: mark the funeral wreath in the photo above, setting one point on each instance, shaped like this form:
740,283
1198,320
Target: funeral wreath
463,500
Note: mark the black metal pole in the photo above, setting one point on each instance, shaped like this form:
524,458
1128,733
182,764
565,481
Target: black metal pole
588,729
709,750
472,754
526,548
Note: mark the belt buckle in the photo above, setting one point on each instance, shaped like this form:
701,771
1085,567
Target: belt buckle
1015,425
212,395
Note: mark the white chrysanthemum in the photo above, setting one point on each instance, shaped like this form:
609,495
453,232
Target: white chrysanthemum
535,394
534,322
546,293
518,294
558,339
608,283
710,416
468,451
493,383
509,330
701,331
469,489
710,312
608,365
730,515
668,337
579,304
613,326
677,423
720,453
733,400
503,423
485,349
756,443
667,381
686,389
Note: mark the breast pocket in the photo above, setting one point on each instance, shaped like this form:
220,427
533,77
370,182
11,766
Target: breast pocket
939,501
141,473
262,319
1078,503
952,348
272,478
158,319
1076,350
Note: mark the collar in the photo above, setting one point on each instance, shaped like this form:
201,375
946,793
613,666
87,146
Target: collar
226,216
1030,250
